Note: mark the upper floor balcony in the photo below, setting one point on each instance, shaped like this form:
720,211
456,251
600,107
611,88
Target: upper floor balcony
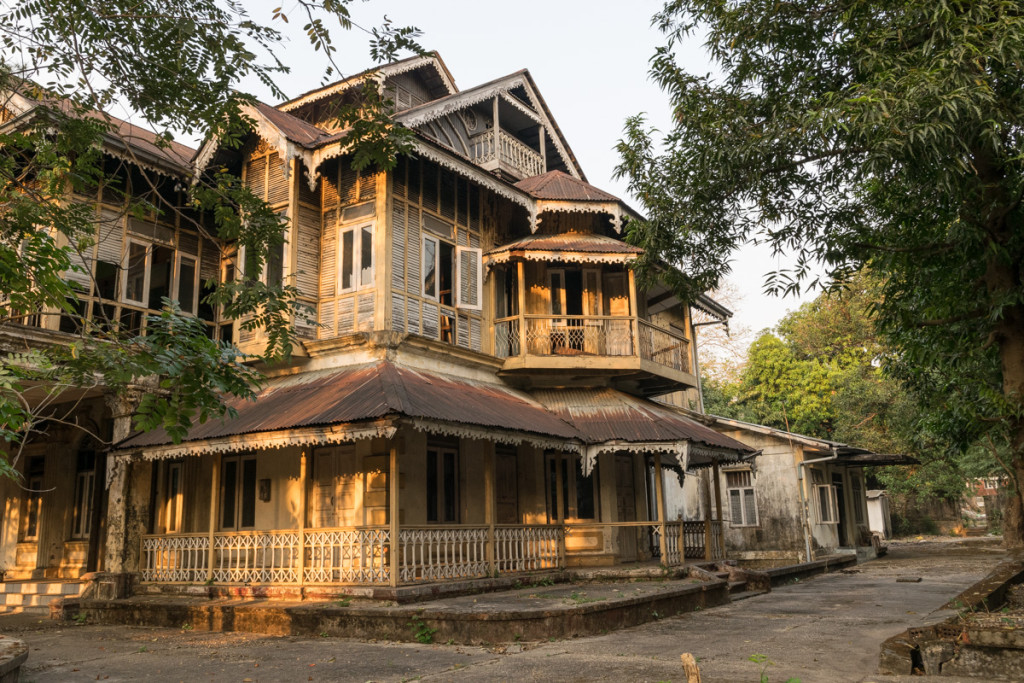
568,311
506,154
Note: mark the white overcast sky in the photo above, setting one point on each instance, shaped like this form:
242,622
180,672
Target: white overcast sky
588,58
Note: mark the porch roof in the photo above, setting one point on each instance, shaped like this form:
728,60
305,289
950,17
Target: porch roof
607,416
569,246
370,392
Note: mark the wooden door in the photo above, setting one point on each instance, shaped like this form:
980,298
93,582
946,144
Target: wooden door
324,495
625,504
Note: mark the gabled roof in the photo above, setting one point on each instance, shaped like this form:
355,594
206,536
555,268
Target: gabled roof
125,140
394,68
296,130
498,87
559,186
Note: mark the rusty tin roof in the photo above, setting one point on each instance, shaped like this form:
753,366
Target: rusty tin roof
569,241
370,392
559,186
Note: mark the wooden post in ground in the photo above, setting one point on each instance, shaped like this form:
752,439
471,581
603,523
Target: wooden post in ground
690,668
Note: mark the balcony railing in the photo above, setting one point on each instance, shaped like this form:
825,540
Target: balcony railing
573,335
664,347
511,155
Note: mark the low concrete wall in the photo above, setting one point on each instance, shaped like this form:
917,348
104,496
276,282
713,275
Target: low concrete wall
780,576
13,654
976,643
400,623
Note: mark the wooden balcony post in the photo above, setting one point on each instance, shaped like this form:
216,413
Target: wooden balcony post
214,505
303,503
634,313
718,507
497,132
521,294
490,502
393,510
659,491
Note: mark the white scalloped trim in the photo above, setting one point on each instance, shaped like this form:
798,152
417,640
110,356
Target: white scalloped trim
559,256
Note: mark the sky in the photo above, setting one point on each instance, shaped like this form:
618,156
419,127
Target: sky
588,58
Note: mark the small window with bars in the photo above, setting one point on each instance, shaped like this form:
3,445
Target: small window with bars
739,486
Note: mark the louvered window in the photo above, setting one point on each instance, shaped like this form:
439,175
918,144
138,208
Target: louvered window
742,499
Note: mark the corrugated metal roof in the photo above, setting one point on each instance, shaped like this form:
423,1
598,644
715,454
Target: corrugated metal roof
556,185
292,127
370,392
569,241
604,414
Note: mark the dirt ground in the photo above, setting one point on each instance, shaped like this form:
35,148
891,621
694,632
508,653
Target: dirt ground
828,628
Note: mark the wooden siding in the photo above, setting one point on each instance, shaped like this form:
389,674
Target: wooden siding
429,199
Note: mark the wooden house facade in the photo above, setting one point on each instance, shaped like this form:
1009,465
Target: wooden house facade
475,396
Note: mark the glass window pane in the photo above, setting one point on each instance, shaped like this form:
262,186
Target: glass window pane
431,486
248,513
429,268
446,274
160,276
275,265
227,489
106,280
136,279
187,284
366,260
347,258
450,483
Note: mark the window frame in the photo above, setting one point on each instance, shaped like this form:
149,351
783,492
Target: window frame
173,499
180,256
565,468
436,484
357,229
831,516
147,262
81,517
742,490
239,492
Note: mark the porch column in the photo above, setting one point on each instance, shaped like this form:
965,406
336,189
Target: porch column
707,516
490,501
659,491
303,502
718,508
393,511
118,476
214,505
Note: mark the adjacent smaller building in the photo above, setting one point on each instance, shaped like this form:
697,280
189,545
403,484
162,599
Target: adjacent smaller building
803,499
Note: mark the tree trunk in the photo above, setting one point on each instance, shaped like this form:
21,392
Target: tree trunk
1010,336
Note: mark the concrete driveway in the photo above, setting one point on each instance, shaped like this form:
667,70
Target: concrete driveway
828,628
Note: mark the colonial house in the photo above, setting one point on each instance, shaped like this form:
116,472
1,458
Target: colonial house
802,499
474,399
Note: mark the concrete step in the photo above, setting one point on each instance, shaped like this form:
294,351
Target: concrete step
737,587
41,587
743,595
35,596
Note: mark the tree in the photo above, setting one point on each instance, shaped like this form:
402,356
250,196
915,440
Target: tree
851,133
178,66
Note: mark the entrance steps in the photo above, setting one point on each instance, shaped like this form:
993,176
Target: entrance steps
35,597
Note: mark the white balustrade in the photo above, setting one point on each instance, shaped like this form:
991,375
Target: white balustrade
433,553
578,335
178,558
348,555
256,557
512,154
506,337
527,548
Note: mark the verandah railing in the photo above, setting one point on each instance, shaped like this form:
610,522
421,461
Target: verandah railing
352,555
362,555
